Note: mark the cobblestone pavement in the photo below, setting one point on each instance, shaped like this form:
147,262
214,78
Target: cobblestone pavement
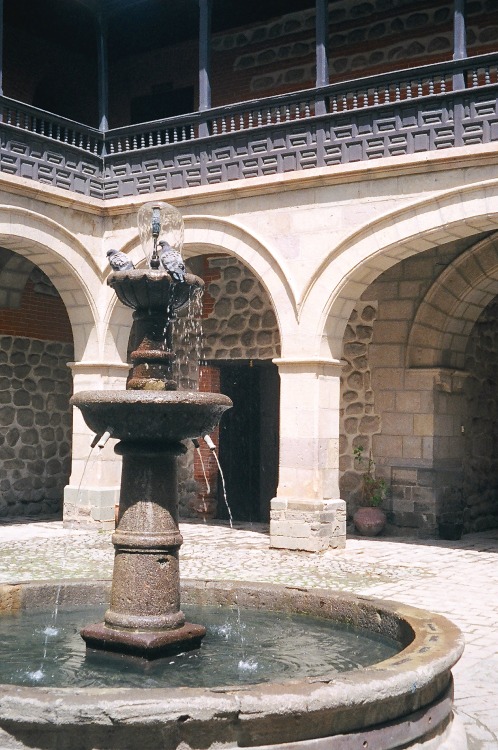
456,579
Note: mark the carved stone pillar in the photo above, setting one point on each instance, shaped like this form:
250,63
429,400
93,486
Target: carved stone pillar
308,512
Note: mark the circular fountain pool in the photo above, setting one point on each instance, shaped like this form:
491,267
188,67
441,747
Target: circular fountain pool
404,701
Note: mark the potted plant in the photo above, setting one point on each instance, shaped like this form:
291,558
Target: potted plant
370,519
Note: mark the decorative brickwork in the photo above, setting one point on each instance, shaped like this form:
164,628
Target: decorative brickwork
40,315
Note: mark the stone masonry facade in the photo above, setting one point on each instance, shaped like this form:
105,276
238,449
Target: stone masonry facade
358,416
35,421
430,431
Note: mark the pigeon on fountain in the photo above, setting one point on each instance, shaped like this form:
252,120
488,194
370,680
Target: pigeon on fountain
172,261
119,261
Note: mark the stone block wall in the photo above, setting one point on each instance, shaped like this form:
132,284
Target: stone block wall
35,425
359,418
409,418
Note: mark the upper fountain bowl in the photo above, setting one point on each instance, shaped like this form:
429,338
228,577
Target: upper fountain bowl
164,416
148,289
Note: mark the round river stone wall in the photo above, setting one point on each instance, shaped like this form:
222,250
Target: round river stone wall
35,425
242,324
359,419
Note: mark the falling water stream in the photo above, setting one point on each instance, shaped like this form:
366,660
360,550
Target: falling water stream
223,485
188,332
49,631
87,460
208,486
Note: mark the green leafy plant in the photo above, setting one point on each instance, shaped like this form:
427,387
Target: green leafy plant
374,490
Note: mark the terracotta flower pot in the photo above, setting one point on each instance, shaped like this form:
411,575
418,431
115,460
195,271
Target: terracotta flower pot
369,521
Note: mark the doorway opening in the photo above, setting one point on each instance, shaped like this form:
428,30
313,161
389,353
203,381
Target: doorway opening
249,438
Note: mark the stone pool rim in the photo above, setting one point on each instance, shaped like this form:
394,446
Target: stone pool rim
415,681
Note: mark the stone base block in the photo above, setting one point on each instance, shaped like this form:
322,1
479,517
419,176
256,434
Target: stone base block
90,506
146,644
309,525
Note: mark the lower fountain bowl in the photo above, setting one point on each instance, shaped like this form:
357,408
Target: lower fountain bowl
166,416
402,702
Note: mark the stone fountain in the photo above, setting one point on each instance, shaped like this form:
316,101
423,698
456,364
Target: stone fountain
150,419
402,702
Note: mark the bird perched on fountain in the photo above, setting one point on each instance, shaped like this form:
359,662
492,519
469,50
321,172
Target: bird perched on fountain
172,261
119,261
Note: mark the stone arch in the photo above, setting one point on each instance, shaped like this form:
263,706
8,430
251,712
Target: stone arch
446,316
207,234
352,266
59,255
212,235
231,244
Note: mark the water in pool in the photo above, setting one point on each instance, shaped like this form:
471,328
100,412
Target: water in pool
249,646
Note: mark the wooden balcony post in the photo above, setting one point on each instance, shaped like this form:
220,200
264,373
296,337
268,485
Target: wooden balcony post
322,71
102,72
321,47
459,41
205,8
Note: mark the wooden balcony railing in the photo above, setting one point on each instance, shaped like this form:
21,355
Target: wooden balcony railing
396,113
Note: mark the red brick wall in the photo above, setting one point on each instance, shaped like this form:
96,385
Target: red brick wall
348,58
40,316
209,381
208,275
29,60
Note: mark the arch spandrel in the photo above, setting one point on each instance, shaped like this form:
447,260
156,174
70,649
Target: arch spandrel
66,262
206,235
352,266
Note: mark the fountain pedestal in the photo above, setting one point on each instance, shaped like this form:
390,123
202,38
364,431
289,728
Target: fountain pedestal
144,617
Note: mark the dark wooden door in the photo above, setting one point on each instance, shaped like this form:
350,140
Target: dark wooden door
249,439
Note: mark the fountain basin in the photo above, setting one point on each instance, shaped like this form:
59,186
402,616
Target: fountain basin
147,289
166,416
402,702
